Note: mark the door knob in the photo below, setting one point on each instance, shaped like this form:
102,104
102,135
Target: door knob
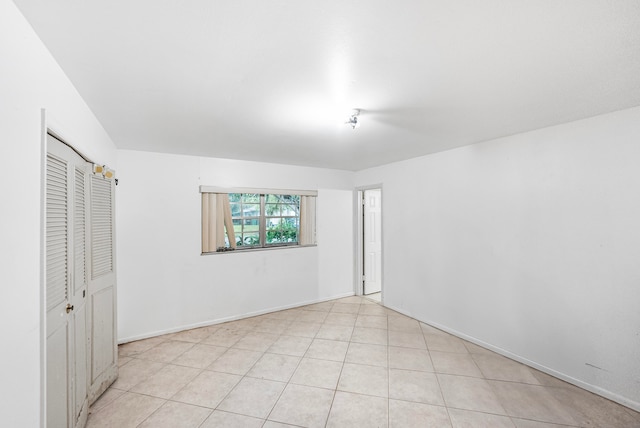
69,307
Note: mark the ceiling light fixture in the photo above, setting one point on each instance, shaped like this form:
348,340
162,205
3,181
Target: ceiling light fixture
353,119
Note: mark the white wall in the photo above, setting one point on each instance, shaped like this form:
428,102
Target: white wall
530,244
164,284
29,80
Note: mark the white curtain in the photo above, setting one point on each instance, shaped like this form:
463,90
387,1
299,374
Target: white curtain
216,217
307,220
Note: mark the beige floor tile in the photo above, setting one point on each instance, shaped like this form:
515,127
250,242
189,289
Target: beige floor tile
320,373
372,310
455,364
362,353
123,360
272,424
442,343
135,372
524,423
404,324
327,350
371,321
323,307
335,332
312,316
290,345
288,314
235,361
403,414
351,299
107,397
372,299
176,415
246,324
591,410
348,320
166,352
420,387
475,349
195,335
374,336
272,326
207,389
548,380
303,405
346,308
407,340
531,402
166,381
127,411
225,337
256,341
253,397
219,419
304,328
469,419
356,410
275,367
427,329
132,349
409,359
367,380
497,367
469,393
200,356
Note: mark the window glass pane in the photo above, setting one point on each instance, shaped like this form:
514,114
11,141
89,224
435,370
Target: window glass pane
251,239
290,222
251,210
251,225
272,209
251,198
234,197
273,222
237,226
290,210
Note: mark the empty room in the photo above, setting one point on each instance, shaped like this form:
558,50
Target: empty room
320,214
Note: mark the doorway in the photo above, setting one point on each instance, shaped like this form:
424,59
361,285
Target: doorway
370,242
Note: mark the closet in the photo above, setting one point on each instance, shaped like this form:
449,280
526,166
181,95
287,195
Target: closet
80,286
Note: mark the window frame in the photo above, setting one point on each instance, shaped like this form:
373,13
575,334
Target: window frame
303,239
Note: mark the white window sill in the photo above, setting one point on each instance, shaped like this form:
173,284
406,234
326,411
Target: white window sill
251,250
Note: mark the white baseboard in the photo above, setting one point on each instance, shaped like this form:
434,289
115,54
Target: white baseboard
227,319
577,382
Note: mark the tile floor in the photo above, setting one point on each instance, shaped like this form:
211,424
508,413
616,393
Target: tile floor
344,363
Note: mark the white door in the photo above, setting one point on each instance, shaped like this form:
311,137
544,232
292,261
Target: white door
372,238
66,287
102,286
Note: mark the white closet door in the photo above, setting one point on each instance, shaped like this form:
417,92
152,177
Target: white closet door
66,287
102,286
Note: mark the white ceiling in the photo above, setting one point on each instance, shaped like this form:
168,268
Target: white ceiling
273,80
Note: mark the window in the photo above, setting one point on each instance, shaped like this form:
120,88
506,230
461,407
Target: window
264,220
252,218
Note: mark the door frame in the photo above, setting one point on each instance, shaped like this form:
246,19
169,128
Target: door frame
359,238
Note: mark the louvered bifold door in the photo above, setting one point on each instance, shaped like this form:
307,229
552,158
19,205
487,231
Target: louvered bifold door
102,286
57,279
